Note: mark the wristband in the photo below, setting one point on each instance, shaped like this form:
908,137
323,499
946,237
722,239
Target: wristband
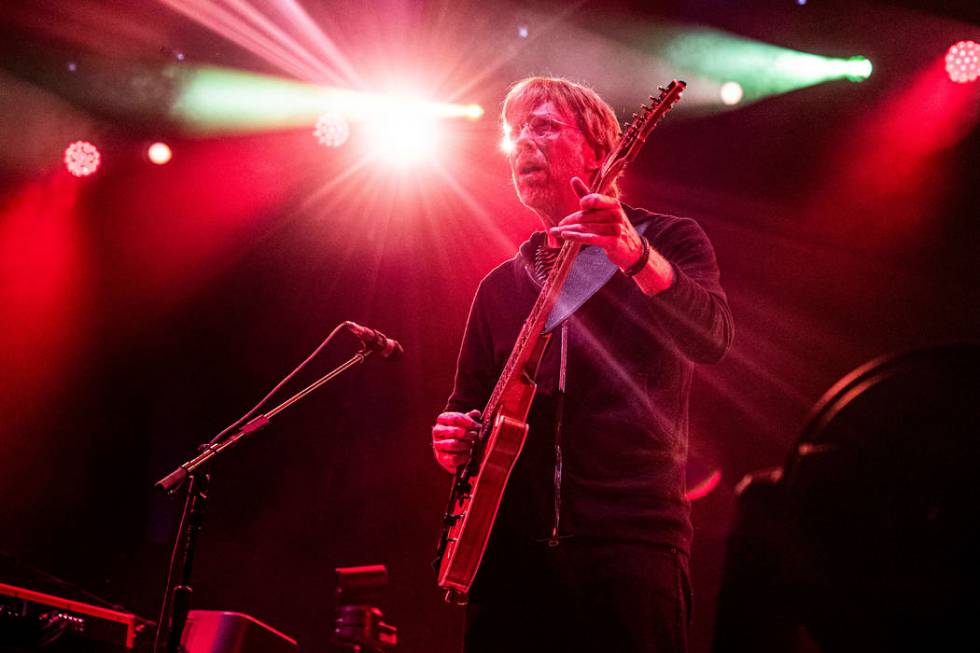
641,262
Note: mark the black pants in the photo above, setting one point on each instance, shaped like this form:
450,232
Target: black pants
583,595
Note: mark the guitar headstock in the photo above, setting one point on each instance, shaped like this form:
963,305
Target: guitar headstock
637,130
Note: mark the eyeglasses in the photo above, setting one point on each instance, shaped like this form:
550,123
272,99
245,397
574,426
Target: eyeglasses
540,126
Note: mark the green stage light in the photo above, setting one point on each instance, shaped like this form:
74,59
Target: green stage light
216,99
760,68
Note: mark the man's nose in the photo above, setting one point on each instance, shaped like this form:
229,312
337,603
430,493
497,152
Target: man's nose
524,136
522,129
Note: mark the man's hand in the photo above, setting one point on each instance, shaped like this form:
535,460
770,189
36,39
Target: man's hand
601,221
453,436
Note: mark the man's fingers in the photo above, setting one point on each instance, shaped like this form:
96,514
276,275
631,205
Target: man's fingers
444,432
583,237
597,216
458,419
452,445
600,228
596,201
579,187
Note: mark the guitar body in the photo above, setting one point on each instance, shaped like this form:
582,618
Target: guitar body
477,509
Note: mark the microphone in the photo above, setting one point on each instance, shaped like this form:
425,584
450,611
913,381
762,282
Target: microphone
376,341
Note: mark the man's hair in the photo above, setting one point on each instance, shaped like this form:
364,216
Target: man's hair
596,119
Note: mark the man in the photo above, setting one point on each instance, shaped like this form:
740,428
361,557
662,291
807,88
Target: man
589,551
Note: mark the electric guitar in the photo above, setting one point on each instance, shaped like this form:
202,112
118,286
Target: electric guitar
479,485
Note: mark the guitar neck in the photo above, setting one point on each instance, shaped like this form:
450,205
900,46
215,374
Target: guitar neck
533,327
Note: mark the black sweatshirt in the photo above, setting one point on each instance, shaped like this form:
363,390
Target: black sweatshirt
621,426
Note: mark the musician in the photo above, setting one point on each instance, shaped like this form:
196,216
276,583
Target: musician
590,548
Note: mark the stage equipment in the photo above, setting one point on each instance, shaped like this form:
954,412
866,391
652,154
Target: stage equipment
212,631
193,474
82,158
868,535
34,621
479,485
359,626
963,62
376,341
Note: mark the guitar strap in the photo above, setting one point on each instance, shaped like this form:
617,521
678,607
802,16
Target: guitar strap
591,270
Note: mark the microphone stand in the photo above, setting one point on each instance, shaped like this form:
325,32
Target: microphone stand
193,474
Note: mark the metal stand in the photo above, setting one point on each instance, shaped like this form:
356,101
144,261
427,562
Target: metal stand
193,474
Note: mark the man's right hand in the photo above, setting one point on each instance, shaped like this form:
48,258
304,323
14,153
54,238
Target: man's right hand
453,436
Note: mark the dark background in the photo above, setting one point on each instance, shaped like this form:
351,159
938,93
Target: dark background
146,308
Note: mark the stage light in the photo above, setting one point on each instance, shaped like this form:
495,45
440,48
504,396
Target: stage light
731,93
761,69
404,138
331,130
82,158
72,66
857,69
472,111
216,99
159,153
522,31
963,62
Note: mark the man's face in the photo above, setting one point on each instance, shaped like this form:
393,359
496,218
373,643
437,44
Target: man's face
545,159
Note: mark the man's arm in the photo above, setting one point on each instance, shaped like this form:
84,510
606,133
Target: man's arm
676,268
693,308
457,427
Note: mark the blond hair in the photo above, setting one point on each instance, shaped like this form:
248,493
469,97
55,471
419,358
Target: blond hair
594,117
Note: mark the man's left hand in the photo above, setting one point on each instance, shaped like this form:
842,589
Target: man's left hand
601,221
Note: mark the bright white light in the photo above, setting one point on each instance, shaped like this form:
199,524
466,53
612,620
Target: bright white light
406,135
159,153
331,130
857,69
963,62
731,93
82,158
507,145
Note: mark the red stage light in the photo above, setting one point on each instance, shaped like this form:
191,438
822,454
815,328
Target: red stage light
159,153
82,158
963,61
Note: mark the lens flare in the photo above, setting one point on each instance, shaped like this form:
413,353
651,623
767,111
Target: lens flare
404,138
159,153
82,158
731,93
